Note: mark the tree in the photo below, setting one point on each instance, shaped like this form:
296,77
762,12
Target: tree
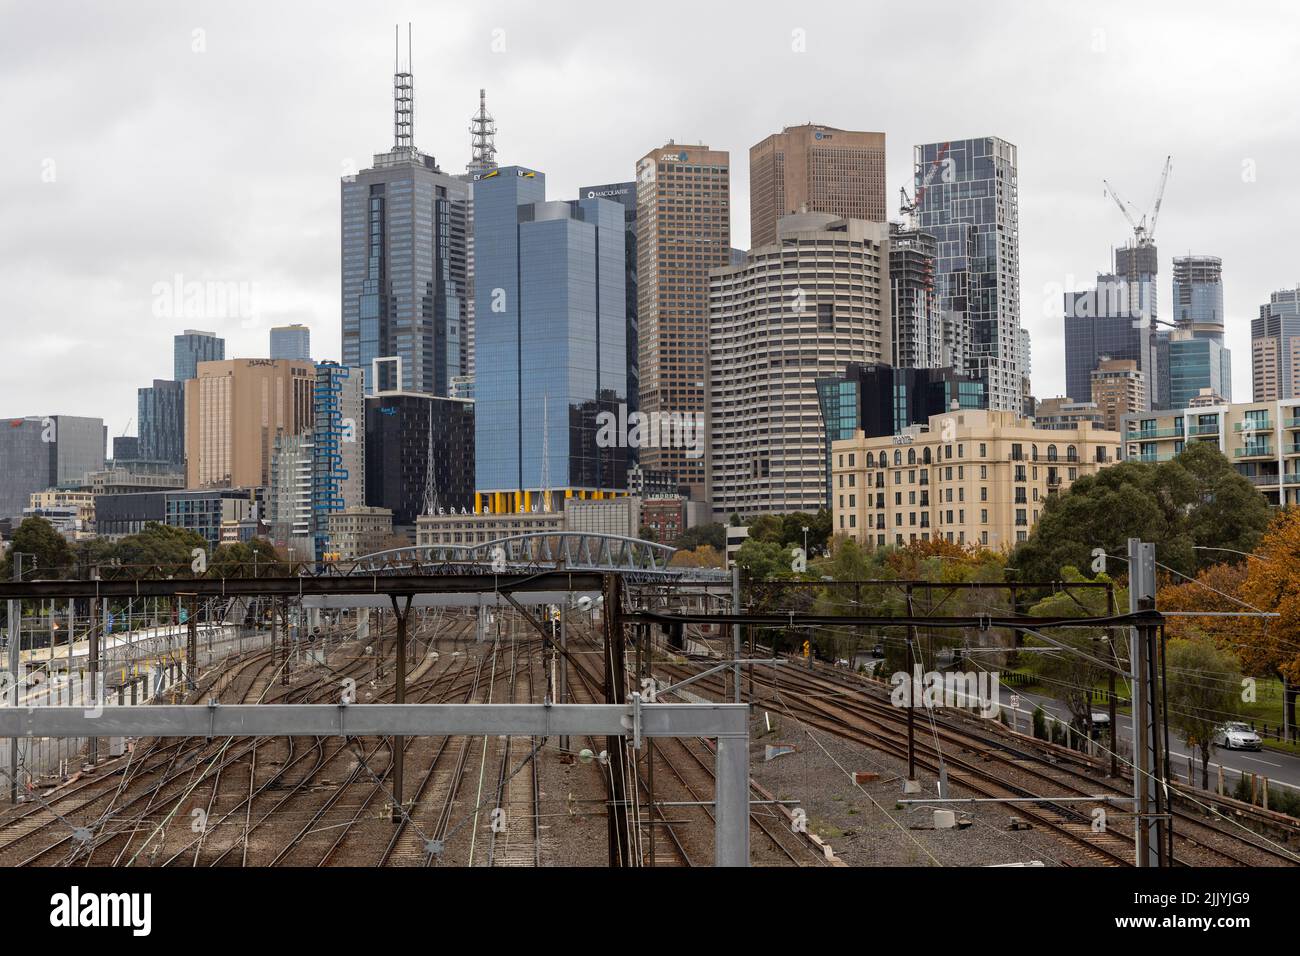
764,560
255,558
1203,688
36,536
714,535
1196,499
704,556
1272,583
159,549
1075,670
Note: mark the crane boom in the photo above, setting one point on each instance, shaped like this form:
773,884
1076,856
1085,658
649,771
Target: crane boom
1160,195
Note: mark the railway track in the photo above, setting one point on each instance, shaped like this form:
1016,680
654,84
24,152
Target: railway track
852,711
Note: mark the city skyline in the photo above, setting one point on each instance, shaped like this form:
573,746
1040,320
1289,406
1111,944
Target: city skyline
266,216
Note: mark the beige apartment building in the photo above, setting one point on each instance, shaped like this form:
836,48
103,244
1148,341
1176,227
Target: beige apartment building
1260,439
818,168
1119,388
683,196
968,477
233,411
357,531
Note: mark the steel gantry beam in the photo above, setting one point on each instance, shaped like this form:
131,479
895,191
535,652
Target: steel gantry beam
306,586
729,723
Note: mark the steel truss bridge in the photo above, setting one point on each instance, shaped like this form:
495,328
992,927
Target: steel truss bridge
637,561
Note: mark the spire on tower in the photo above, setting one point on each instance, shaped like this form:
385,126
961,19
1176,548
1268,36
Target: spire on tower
403,95
482,131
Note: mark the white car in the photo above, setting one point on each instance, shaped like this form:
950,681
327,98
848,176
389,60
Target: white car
1237,736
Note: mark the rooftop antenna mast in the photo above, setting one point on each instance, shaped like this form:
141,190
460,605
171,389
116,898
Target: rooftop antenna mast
430,483
546,455
482,131
403,95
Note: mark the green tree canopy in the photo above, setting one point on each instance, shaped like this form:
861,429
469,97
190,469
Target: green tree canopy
36,536
1196,499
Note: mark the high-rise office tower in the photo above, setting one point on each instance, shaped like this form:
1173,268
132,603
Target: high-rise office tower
916,326
1110,320
160,411
1275,347
966,197
37,453
799,309
1197,356
403,225
551,343
683,230
625,193
1119,388
291,342
192,347
338,447
483,159
1198,295
289,498
419,455
815,168
233,412
881,399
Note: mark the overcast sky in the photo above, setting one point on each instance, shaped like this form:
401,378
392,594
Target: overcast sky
140,141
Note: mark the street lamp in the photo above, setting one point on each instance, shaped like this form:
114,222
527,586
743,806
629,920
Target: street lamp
805,541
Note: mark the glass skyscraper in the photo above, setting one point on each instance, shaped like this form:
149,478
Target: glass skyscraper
550,342
160,411
1197,356
967,198
291,342
404,223
192,347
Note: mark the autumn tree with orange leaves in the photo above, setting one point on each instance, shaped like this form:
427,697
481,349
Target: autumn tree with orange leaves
1272,583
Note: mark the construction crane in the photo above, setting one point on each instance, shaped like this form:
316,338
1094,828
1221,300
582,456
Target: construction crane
1143,235
907,206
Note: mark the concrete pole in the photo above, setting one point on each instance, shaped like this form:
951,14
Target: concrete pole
15,663
399,696
731,822
1141,591
93,666
564,662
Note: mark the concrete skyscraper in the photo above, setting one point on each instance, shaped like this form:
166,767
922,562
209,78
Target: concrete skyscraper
1275,347
967,198
404,272
916,325
683,231
551,347
817,169
233,412
798,309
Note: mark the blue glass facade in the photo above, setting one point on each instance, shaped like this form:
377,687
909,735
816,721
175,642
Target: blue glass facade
967,196
190,348
160,410
1195,364
550,338
291,342
880,400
